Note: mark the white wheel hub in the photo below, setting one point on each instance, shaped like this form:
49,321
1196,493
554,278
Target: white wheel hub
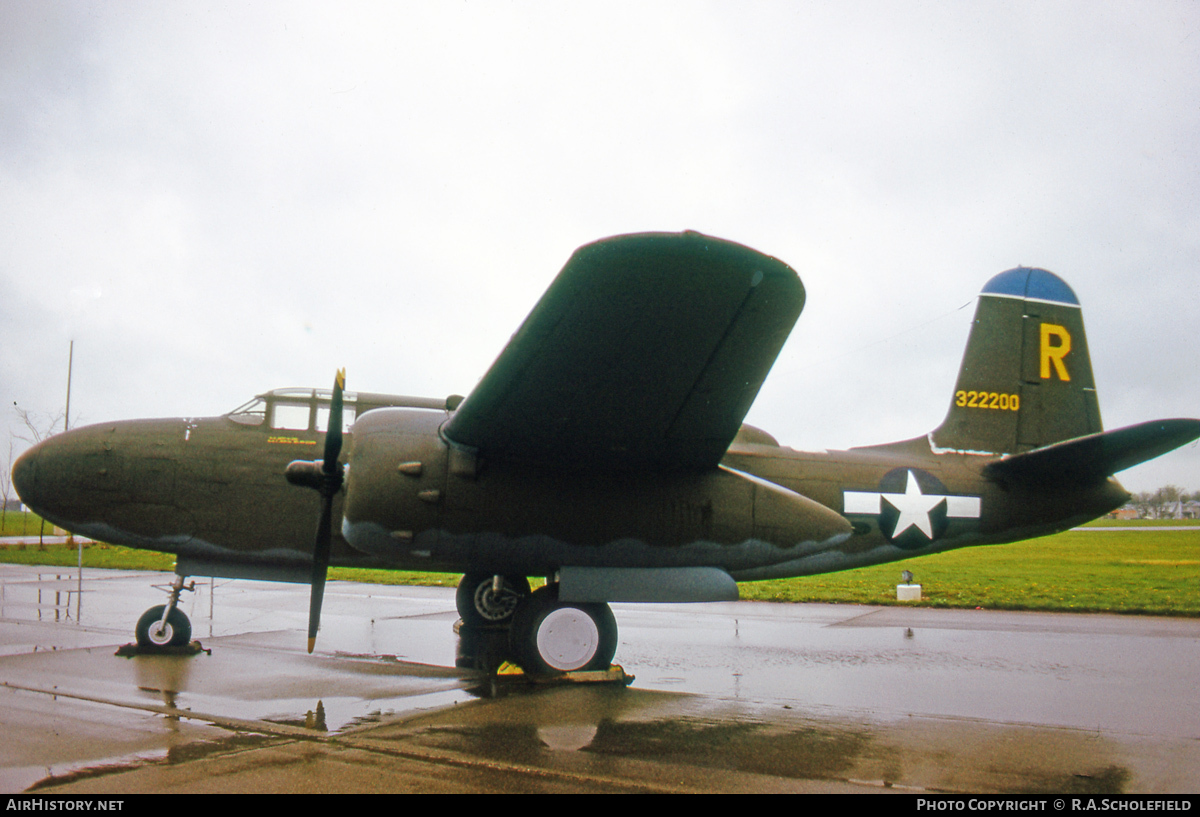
161,634
567,639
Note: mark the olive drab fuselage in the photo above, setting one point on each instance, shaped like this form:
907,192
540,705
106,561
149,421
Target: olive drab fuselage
608,436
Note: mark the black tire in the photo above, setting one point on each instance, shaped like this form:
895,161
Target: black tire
550,637
176,633
479,607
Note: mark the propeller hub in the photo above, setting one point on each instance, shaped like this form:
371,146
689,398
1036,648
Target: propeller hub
313,475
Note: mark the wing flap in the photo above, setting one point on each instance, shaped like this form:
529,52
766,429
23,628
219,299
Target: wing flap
645,352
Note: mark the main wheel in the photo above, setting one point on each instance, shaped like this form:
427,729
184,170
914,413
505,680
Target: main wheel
479,606
549,636
177,632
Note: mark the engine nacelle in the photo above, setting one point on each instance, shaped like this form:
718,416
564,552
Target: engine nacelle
409,495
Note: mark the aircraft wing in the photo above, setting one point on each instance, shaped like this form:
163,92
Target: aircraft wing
645,352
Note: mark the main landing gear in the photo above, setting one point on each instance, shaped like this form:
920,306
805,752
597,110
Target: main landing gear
484,600
165,625
545,636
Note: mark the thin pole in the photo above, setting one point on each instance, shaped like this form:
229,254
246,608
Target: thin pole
66,428
70,364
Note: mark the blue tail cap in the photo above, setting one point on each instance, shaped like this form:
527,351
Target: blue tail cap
1031,284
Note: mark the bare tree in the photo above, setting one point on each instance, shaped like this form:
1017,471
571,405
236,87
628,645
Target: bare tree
1168,499
6,482
1160,504
39,425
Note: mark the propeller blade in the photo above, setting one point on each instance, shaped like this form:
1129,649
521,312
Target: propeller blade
320,569
327,482
333,431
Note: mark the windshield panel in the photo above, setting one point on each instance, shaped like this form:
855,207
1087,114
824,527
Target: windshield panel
252,413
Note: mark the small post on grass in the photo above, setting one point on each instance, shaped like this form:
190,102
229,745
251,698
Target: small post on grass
907,591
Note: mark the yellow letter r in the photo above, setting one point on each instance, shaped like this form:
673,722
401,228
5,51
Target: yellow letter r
1055,353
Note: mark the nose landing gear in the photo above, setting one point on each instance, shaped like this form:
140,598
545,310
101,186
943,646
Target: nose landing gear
158,628
166,625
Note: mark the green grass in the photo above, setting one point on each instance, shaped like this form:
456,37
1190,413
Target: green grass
108,557
16,523
356,574
1155,572
1150,572
1143,523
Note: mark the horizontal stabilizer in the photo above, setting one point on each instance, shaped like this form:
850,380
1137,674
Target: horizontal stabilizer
1086,460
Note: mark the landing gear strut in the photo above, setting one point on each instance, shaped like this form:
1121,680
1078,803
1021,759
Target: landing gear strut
165,625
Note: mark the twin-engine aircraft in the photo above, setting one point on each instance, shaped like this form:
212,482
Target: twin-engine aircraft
604,450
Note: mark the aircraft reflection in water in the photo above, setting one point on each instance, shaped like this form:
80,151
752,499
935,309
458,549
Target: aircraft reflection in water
605,450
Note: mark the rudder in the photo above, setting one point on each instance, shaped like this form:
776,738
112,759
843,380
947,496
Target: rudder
1026,376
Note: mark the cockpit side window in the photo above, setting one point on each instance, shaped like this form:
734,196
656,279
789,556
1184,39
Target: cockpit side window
293,416
348,412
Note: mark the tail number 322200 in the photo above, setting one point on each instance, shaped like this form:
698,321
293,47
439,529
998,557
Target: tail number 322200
987,400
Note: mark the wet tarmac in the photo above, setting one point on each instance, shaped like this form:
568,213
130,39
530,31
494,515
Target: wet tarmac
728,697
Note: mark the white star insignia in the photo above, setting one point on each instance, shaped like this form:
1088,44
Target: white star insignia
914,507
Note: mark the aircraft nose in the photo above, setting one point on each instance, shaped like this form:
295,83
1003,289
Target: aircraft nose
24,477
43,477
110,479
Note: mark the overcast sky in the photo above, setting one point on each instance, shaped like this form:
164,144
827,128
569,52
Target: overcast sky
215,199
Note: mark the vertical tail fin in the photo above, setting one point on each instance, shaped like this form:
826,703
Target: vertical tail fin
1026,377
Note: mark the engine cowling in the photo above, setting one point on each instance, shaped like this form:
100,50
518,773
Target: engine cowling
409,493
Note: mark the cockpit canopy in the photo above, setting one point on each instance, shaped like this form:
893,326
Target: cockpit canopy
298,409
295,409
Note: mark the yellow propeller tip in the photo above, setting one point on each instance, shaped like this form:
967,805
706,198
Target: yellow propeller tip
312,642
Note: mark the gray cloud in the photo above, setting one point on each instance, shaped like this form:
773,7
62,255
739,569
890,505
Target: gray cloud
262,194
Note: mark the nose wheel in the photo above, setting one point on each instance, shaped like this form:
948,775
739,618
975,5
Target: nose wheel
166,625
156,630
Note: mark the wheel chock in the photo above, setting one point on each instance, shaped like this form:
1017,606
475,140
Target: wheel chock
193,648
615,674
